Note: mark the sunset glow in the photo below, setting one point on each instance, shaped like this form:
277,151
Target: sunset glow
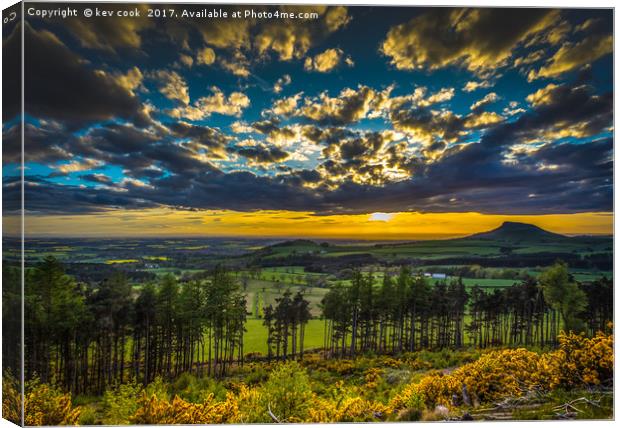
290,224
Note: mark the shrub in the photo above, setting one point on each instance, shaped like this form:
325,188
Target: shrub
88,416
196,390
120,404
155,410
347,409
11,399
579,361
287,393
45,405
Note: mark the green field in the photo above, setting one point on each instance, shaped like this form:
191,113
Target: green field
255,338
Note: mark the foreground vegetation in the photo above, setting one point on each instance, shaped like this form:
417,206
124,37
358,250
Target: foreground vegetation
572,381
87,339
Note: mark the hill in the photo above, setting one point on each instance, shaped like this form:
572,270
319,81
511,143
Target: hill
519,232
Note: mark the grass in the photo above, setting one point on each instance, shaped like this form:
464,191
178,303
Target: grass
255,338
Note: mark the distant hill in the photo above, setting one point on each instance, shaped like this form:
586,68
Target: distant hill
518,232
296,243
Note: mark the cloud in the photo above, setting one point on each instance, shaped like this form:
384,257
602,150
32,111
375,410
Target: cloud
172,85
283,81
240,127
46,142
205,56
443,95
415,116
482,120
186,60
350,106
286,106
79,165
111,34
221,33
426,125
231,105
473,85
542,96
261,154
530,58
574,55
237,64
489,98
131,80
204,140
478,39
360,157
570,111
590,24
420,149
324,62
62,86
513,109
12,74
292,40
97,178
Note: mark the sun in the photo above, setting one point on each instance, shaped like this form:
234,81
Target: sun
381,217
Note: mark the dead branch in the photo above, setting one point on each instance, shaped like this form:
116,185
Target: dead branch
273,417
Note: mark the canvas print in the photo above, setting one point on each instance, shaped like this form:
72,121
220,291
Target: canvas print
230,213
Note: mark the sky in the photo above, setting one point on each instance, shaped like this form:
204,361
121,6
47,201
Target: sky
349,122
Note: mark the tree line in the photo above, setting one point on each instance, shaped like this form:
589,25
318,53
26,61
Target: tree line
408,313
86,339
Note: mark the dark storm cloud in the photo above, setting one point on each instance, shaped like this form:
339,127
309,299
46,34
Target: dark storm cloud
96,178
203,135
429,125
262,155
62,86
44,143
304,176
117,139
576,107
243,191
146,153
11,74
46,197
111,34
596,156
11,144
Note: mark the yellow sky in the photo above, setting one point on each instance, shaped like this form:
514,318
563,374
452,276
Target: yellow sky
289,224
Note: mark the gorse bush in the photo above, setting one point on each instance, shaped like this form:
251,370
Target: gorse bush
291,393
11,398
579,362
45,405
350,409
154,410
